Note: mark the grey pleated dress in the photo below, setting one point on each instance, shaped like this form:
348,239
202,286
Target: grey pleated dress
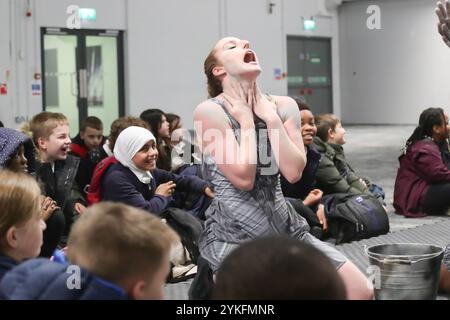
236,216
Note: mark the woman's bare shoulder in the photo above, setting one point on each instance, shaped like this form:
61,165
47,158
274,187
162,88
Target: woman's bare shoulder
287,107
210,111
284,101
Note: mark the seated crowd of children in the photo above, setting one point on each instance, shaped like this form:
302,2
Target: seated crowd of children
109,216
124,168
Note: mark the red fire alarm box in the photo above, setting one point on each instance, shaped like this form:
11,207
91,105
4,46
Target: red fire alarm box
3,89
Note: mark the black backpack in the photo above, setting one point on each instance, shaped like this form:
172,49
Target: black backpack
189,228
354,217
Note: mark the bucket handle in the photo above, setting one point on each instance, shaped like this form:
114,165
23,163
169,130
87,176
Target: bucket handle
399,261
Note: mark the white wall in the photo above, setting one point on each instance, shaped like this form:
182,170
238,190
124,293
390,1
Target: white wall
5,62
25,58
167,47
389,76
166,42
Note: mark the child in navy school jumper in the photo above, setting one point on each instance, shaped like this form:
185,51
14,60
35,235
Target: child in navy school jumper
136,181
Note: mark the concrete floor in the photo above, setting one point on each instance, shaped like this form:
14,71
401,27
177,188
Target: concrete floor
373,151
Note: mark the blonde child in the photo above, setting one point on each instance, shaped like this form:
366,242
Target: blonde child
56,171
21,224
116,252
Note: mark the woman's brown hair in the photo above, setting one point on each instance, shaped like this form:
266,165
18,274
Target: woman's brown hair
214,85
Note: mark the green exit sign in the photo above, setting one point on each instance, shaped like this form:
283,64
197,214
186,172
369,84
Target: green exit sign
309,25
87,14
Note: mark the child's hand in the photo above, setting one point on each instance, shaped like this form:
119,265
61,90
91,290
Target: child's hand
166,189
364,182
79,208
313,197
322,217
209,192
48,207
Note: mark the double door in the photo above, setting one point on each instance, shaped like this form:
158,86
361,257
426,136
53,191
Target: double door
83,74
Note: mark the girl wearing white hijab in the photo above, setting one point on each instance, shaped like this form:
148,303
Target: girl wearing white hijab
136,181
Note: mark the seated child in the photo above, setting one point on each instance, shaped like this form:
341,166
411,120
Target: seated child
56,171
13,157
185,160
117,127
114,252
277,268
302,194
136,181
21,224
335,175
422,184
90,137
12,150
159,126
185,153
95,155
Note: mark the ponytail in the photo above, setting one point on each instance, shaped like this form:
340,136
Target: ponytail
428,119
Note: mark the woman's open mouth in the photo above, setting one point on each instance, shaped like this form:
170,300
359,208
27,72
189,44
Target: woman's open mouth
250,57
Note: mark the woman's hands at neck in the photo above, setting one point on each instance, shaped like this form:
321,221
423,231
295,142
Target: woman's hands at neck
246,99
238,87
239,96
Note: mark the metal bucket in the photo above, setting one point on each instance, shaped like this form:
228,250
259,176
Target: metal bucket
405,271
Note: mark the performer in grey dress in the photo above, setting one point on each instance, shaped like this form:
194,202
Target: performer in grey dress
247,138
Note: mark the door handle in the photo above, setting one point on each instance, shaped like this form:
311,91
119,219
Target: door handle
83,83
73,84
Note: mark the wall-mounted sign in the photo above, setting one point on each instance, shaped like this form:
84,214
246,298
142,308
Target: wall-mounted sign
3,89
309,25
293,80
317,80
87,14
278,75
35,89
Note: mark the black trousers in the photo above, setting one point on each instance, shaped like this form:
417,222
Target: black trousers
52,233
437,199
305,211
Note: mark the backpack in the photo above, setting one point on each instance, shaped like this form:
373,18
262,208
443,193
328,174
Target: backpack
189,228
94,193
354,216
